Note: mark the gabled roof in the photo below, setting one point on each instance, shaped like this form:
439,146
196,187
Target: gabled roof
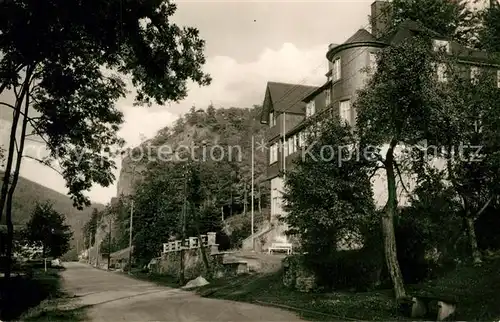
283,97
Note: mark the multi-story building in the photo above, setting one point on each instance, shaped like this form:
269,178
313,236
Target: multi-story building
287,106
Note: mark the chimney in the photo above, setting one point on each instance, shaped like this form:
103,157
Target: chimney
379,18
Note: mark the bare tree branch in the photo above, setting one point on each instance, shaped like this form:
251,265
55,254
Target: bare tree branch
400,177
375,171
484,207
43,162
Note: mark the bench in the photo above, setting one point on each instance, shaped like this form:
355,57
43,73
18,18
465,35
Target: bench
287,247
431,306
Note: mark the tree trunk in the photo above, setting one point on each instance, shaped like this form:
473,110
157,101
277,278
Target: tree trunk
184,211
15,177
471,234
471,230
388,227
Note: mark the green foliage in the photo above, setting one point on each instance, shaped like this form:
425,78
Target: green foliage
90,228
47,229
489,34
329,199
106,247
158,210
451,19
63,51
223,177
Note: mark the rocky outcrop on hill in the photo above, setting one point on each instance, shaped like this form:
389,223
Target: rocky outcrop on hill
227,131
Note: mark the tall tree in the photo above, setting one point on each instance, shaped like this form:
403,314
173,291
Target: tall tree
397,109
469,135
489,33
65,62
451,19
47,228
328,196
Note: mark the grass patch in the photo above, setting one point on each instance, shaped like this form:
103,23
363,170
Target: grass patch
56,310
477,290
268,288
21,293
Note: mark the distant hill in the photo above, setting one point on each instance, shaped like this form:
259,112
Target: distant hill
28,193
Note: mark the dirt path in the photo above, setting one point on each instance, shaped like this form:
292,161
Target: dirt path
115,297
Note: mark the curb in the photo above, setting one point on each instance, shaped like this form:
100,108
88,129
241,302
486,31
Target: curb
287,307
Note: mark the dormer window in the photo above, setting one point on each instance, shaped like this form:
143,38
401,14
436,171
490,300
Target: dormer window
310,108
441,45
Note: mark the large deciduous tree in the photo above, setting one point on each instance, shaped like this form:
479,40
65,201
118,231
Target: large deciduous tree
451,19
328,196
47,228
65,61
470,140
398,108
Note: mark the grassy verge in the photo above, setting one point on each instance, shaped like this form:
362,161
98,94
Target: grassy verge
268,289
477,290
36,297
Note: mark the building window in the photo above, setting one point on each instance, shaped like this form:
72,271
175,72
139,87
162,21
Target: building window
345,111
310,108
498,78
373,62
441,73
296,142
336,72
291,146
475,72
273,153
328,97
284,146
272,119
439,45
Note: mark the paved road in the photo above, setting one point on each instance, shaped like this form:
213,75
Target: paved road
116,297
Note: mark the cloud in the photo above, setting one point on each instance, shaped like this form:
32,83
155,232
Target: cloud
234,84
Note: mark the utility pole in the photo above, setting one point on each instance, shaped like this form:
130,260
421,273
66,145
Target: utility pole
252,198
131,224
109,243
130,236
97,251
181,273
90,247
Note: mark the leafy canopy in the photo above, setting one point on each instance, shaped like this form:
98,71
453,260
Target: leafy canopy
47,228
68,60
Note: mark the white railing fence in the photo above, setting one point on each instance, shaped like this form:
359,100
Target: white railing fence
190,243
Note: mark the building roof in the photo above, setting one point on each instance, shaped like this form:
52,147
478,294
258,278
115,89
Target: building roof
284,97
318,90
288,97
362,35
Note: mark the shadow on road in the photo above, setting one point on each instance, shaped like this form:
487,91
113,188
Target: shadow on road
24,293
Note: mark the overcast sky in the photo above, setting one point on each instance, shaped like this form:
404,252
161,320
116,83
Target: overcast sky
247,44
